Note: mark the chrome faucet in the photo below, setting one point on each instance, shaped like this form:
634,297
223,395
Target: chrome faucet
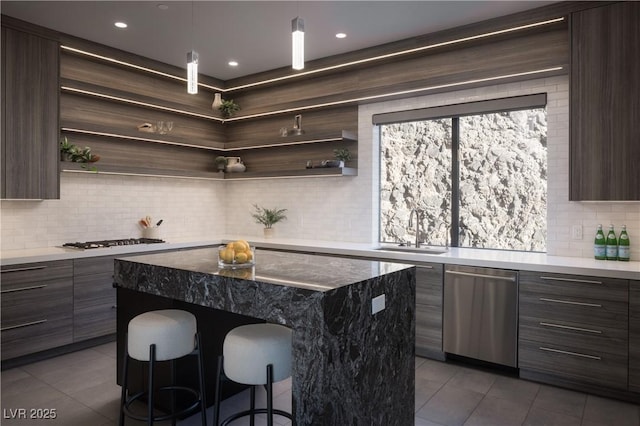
419,216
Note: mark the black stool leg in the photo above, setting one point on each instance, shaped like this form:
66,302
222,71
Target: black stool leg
150,401
172,371
270,395
216,409
252,406
125,375
203,398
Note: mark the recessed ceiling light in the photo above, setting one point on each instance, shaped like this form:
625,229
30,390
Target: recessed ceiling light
163,6
341,35
120,25
233,63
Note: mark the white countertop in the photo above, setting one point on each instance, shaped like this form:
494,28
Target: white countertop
460,256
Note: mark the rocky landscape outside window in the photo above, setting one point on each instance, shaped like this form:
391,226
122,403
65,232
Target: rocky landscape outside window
480,179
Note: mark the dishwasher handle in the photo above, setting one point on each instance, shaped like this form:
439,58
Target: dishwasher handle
476,275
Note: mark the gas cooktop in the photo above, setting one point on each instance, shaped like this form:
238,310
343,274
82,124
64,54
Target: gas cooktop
112,243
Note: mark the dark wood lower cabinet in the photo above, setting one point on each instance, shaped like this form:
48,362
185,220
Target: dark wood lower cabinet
37,307
94,298
573,331
429,310
634,336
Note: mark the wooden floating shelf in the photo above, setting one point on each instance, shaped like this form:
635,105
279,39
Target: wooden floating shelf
311,138
104,131
270,143
283,174
71,167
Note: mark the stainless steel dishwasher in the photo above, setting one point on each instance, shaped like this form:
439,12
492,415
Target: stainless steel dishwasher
480,318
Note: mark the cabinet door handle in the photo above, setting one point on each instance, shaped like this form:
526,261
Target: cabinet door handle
571,280
597,358
26,268
424,266
569,302
33,287
493,277
26,324
568,327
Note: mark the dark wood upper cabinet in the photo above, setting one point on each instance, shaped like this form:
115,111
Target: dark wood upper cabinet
605,103
30,156
30,70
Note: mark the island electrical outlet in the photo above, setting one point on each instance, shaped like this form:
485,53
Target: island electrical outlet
377,304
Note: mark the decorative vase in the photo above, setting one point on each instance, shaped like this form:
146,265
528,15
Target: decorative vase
217,102
234,164
268,232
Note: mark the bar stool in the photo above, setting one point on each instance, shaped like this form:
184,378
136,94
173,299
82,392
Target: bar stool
255,354
163,335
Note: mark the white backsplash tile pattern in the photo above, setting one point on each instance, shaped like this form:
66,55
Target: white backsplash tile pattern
342,209
94,207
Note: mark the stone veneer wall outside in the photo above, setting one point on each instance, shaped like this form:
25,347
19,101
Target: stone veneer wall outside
341,209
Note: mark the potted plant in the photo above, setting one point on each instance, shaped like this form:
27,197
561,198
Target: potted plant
228,108
73,153
343,155
268,218
221,162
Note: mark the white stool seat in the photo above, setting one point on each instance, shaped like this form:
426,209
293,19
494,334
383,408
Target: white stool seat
172,331
248,350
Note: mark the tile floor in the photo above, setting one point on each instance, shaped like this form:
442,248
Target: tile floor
81,388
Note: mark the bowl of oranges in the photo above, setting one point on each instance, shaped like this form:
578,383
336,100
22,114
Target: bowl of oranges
236,254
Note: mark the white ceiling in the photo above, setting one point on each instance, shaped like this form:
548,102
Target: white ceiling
257,34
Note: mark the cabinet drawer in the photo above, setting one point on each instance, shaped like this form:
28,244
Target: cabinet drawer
90,290
572,310
594,368
18,276
94,321
49,300
574,287
593,340
36,337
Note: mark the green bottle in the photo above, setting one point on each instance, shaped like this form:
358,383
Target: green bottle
612,244
623,245
600,245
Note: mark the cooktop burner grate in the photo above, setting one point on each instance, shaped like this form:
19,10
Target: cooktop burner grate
112,243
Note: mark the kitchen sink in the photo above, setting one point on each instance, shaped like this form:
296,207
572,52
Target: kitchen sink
409,249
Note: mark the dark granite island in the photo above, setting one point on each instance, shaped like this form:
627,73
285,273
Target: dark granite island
351,367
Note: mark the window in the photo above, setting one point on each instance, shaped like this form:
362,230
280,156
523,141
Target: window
476,173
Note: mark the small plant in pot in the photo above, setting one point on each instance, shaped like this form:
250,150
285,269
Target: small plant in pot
221,162
229,108
73,153
268,218
342,156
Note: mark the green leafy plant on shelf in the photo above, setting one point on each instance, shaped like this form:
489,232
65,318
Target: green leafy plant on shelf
342,154
229,108
268,217
75,154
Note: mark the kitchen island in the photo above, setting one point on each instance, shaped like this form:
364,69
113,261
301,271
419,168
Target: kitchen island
350,366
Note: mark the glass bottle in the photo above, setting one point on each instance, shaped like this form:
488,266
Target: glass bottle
612,244
623,245
600,245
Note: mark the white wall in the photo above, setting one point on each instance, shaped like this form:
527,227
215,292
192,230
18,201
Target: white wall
94,207
342,209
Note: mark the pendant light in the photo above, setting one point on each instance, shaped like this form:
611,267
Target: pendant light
192,64
192,72
297,43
